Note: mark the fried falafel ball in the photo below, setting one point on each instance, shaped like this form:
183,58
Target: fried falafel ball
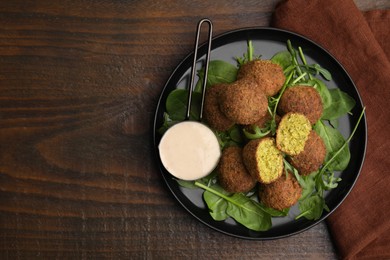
292,133
242,103
312,156
263,160
282,193
302,99
268,76
232,174
212,113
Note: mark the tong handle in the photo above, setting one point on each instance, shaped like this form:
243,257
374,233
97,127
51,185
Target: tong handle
192,80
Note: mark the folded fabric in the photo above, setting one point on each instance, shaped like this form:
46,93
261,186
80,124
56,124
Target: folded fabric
360,41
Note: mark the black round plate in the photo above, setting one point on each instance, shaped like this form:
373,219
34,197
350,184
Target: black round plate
266,42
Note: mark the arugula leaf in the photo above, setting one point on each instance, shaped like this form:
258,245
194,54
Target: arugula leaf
248,56
341,104
230,137
328,180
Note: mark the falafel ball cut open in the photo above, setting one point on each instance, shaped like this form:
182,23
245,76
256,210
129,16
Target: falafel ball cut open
263,160
302,99
282,193
268,75
232,174
292,133
242,103
212,113
312,156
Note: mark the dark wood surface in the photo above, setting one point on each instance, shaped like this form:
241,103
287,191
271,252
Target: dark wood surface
79,83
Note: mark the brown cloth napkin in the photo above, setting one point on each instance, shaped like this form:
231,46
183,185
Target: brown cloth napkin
361,42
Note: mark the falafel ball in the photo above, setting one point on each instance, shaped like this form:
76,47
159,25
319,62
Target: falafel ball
232,174
263,160
302,99
268,76
242,103
292,133
282,193
212,114
312,157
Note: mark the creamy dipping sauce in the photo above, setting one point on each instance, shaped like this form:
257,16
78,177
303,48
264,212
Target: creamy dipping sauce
189,150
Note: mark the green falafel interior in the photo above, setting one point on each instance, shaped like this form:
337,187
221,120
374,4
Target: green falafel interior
292,133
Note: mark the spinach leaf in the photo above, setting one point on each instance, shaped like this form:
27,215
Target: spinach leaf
312,207
320,70
216,204
307,183
246,212
219,72
274,212
334,141
187,184
230,137
241,208
341,104
283,58
176,105
325,95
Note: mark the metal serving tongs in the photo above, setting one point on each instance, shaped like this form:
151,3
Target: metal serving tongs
192,80
190,150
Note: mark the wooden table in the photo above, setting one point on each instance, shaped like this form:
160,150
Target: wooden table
79,84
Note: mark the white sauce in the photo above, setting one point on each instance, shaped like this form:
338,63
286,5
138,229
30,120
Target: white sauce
189,150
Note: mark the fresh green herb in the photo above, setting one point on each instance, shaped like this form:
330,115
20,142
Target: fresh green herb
219,72
248,56
230,137
341,104
176,105
308,184
334,143
257,132
283,58
274,101
244,210
329,162
311,206
324,92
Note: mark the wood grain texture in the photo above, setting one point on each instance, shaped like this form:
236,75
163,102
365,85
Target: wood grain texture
79,84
